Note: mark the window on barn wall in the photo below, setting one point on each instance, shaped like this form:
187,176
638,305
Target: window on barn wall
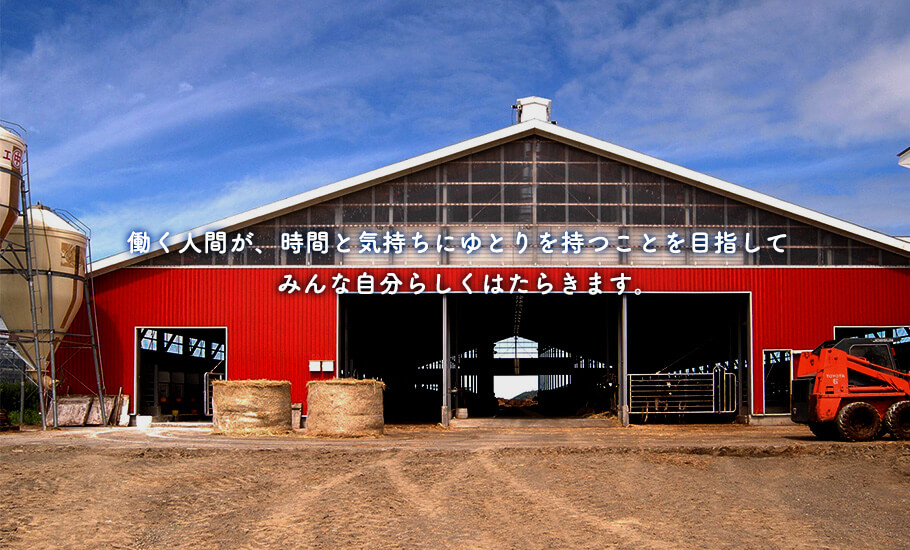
197,347
173,343
541,186
217,351
515,347
149,340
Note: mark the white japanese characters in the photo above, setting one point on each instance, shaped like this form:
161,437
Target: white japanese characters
139,242
391,283
573,242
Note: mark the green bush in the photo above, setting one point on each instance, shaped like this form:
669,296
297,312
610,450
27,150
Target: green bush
32,417
9,400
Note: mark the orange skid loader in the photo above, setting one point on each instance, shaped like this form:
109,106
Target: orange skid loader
851,389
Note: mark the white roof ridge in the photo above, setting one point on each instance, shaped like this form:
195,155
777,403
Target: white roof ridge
515,131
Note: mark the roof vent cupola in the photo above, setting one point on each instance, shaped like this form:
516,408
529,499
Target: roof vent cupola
533,108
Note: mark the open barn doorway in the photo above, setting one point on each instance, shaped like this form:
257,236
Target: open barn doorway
174,370
395,339
688,356
534,355
526,355
551,356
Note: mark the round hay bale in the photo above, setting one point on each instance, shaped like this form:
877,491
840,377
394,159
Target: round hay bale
344,407
244,407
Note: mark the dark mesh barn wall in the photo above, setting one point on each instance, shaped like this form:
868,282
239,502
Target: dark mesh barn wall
537,185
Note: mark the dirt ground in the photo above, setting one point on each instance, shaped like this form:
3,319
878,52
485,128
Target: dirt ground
424,487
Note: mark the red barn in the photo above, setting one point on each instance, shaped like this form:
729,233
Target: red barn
622,282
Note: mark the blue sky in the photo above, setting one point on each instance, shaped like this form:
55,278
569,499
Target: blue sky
166,115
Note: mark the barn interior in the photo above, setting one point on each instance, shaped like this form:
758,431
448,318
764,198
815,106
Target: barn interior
174,369
687,354
568,343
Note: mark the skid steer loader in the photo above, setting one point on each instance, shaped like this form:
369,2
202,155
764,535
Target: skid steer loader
851,389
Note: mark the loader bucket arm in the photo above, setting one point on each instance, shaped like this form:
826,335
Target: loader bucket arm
892,378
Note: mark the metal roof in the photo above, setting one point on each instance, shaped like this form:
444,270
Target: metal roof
510,133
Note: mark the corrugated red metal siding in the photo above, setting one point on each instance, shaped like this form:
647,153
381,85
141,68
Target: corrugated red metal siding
269,335
274,335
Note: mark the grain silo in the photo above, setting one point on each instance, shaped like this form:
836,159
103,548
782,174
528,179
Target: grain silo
12,151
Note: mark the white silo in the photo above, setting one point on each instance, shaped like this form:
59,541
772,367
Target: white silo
12,155
58,263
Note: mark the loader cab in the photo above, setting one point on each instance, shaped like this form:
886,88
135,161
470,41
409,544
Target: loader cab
877,354
878,351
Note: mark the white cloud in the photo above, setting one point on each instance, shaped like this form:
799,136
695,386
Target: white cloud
112,222
161,116
725,77
92,90
863,100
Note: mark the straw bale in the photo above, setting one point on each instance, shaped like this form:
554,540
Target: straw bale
346,381
258,383
345,408
242,407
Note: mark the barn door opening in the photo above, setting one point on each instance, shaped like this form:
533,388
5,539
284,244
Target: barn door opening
688,356
174,365
534,356
395,339
778,372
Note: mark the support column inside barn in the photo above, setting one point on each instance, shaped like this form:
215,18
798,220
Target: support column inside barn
623,348
446,366
740,362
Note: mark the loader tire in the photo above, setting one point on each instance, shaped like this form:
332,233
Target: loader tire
897,420
825,431
858,421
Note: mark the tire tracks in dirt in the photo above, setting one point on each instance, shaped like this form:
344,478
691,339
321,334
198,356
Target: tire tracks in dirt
310,505
435,504
625,532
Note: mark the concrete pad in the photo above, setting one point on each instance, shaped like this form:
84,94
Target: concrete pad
512,423
179,424
771,420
